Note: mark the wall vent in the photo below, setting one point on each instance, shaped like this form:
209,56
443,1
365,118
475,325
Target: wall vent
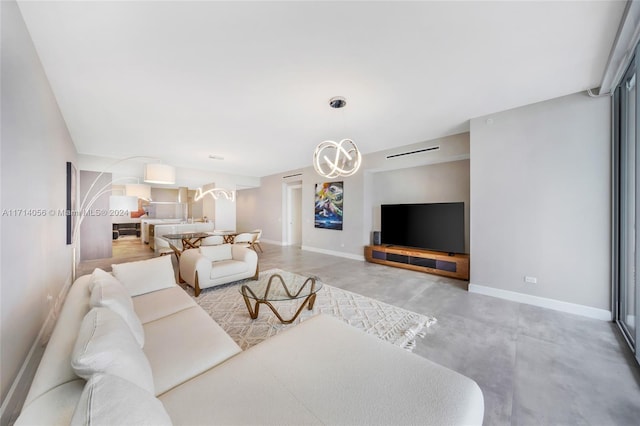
432,148
288,176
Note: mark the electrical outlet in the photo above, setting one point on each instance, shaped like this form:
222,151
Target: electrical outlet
49,297
530,280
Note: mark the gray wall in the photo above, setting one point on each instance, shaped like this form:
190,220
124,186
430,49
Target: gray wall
435,183
538,202
540,197
361,196
36,262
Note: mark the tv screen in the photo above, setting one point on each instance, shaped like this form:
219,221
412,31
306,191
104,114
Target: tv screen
435,226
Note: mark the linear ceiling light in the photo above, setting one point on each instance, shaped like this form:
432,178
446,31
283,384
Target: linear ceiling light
159,173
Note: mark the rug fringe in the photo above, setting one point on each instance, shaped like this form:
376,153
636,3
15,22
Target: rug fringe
417,330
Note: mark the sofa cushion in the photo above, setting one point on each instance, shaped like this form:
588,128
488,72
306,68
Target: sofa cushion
100,276
105,345
157,304
337,373
54,407
110,400
217,253
55,365
226,268
109,293
183,345
146,276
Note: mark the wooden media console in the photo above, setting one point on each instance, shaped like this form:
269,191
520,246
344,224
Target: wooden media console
432,262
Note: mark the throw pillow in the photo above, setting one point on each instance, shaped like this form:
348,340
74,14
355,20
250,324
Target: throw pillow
217,253
105,345
111,400
111,294
146,276
100,276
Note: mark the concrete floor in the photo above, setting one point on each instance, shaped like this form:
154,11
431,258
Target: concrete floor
535,366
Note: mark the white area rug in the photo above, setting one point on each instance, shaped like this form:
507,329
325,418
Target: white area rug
392,324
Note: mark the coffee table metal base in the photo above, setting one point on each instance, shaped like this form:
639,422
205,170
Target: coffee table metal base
308,301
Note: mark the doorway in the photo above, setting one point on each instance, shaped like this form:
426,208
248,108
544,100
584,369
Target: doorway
294,215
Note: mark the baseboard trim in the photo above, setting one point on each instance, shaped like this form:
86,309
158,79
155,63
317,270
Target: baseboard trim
278,243
334,253
543,302
13,402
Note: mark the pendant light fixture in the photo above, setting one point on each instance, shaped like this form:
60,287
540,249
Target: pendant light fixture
138,190
159,173
333,159
215,193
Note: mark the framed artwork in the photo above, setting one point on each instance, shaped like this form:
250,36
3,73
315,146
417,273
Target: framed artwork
71,206
328,205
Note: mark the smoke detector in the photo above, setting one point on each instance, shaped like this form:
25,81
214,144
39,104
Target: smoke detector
337,102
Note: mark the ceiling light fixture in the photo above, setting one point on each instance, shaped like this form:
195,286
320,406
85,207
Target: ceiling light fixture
215,193
139,190
159,173
331,159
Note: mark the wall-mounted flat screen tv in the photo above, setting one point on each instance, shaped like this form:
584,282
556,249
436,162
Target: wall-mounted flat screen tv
433,226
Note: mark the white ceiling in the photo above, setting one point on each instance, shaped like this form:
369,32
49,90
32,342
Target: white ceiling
250,81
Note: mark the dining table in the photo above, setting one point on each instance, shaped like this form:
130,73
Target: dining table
227,236
189,240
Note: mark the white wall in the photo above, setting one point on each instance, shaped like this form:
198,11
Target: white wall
225,218
248,209
540,200
222,211
35,260
195,207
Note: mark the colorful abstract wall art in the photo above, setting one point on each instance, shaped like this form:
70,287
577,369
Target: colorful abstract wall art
328,205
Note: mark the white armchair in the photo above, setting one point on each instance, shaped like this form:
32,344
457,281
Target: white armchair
209,266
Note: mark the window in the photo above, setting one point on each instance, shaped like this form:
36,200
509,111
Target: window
626,208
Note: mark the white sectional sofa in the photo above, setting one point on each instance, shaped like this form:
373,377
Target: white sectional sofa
322,371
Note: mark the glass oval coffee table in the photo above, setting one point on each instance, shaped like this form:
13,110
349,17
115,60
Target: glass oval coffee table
278,287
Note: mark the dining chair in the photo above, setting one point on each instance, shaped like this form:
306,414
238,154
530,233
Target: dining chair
256,242
245,239
213,240
163,247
